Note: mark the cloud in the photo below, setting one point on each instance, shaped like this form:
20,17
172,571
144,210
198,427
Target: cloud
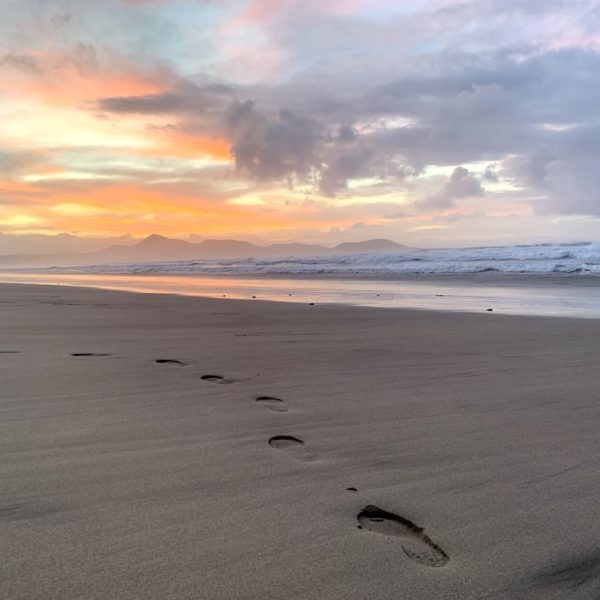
353,101
84,58
13,162
487,94
166,102
21,62
273,146
345,160
490,174
186,99
297,149
461,184
530,170
145,2
266,145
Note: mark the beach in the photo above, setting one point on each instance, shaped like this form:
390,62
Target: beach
534,295
474,435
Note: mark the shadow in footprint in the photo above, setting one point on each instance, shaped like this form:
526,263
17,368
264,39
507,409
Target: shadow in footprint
87,354
416,545
291,445
10,351
276,404
215,379
170,361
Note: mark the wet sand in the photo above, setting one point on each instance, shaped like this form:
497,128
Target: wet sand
544,296
391,454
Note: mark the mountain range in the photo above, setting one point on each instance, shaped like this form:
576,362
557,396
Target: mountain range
159,248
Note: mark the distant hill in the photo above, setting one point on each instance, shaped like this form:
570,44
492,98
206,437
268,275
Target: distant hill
156,248
62,243
368,246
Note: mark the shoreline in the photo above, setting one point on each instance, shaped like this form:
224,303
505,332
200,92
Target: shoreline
547,297
484,278
341,306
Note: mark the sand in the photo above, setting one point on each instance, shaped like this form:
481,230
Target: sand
471,443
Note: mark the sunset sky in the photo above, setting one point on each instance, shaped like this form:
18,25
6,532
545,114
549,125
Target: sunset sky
430,122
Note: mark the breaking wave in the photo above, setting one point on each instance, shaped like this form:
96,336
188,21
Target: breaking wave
577,259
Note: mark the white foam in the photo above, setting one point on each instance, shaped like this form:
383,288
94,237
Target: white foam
577,259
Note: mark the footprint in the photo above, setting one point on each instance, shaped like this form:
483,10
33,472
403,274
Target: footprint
276,404
10,351
215,379
416,545
292,446
79,354
169,361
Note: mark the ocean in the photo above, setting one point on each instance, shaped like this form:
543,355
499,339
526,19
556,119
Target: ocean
544,280
581,259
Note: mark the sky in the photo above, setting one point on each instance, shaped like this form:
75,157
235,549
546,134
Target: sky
429,122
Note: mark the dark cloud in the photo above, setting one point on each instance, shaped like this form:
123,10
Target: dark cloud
283,145
343,163
84,58
166,102
490,174
457,107
529,170
273,146
397,215
461,184
21,62
13,162
346,134
186,99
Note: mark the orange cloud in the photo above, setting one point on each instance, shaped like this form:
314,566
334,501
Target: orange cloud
181,145
100,209
48,169
142,211
17,187
61,80
259,12
74,89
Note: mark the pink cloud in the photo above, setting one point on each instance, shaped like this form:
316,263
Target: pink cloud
260,12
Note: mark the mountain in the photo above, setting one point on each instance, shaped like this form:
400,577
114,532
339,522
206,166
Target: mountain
160,248
368,246
62,243
157,248
154,247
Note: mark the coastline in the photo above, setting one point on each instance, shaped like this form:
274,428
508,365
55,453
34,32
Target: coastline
560,296
484,277
124,477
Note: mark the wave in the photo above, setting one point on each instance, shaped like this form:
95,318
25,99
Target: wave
581,258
